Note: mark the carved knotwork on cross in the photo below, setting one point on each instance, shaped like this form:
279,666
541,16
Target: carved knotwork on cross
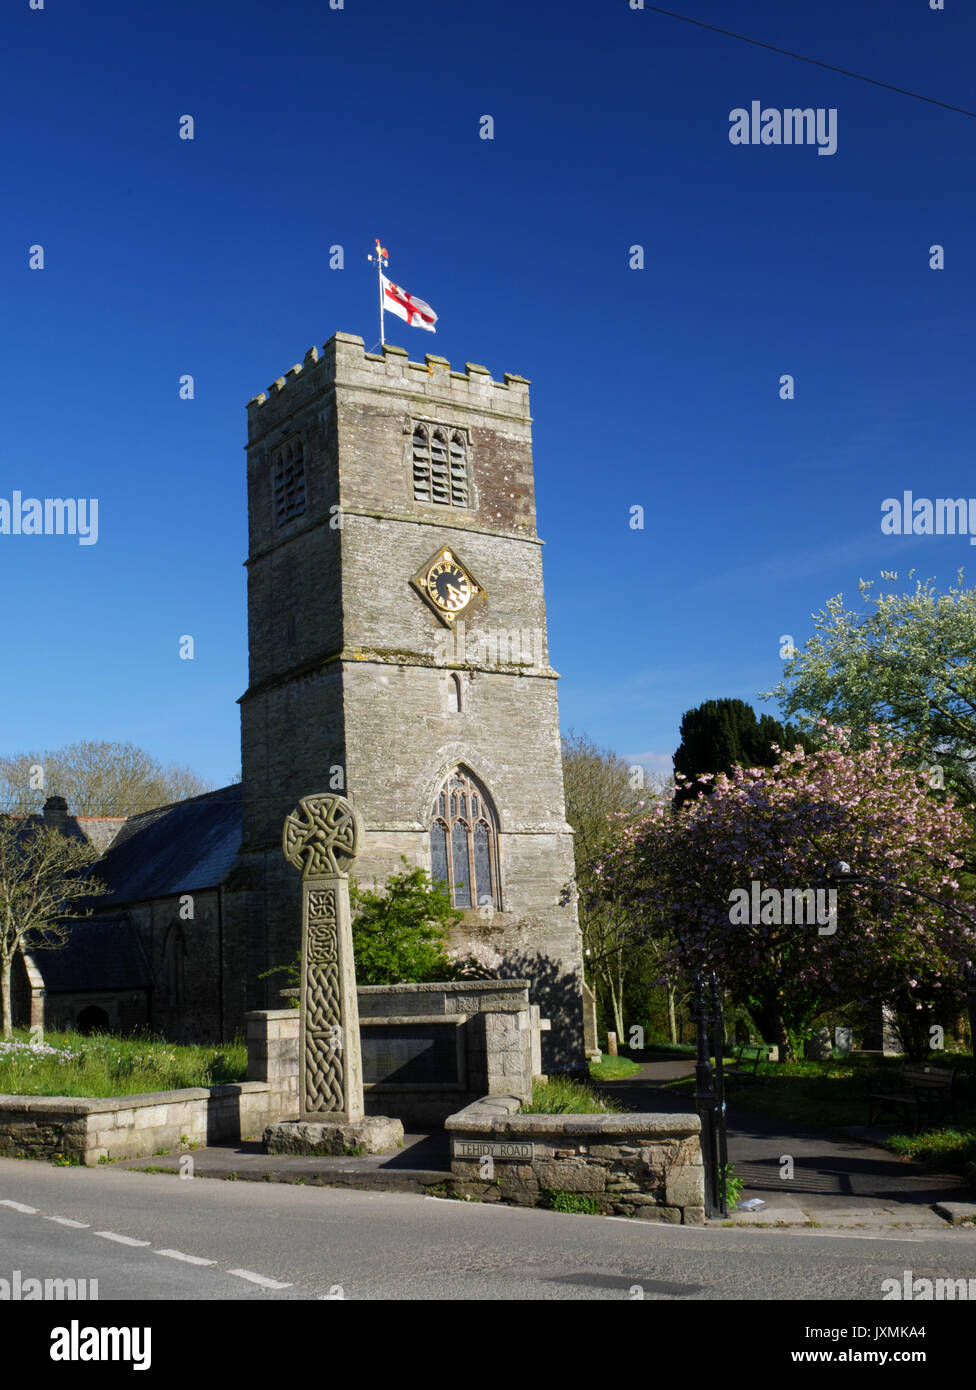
321,836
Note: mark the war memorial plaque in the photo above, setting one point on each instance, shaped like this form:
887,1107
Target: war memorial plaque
410,1054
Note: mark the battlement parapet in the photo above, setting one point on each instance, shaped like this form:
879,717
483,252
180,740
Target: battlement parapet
344,361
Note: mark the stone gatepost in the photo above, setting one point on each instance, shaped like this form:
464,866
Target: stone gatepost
321,839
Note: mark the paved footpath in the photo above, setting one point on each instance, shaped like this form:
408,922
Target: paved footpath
836,1179
419,1167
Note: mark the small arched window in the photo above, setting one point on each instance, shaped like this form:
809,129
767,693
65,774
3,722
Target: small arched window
454,697
464,842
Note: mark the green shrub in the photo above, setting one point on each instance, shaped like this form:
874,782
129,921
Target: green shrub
733,1187
400,935
572,1202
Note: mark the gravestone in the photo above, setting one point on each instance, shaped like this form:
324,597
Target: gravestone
819,1046
321,839
891,1044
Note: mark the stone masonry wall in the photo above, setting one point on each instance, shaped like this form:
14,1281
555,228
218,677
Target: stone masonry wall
90,1130
645,1166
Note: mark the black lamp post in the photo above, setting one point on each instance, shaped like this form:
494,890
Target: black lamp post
710,1088
843,873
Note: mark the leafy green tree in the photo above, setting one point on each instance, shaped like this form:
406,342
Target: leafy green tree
722,734
400,934
600,789
907,660
43,884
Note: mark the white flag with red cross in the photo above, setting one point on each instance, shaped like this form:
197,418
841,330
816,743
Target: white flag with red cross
407,306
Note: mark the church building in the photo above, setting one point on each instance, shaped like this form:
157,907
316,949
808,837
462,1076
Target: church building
399,656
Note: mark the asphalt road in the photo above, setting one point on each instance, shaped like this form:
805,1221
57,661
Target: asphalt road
150,1236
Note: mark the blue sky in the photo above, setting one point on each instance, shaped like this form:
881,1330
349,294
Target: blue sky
656,387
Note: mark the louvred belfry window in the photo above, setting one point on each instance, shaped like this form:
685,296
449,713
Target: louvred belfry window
464,842
459,471
440,466
288,480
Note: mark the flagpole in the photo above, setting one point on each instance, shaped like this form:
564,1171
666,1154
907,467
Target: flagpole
379,273
382,259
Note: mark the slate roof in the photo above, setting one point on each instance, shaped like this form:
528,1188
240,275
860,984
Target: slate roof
102,953
181,848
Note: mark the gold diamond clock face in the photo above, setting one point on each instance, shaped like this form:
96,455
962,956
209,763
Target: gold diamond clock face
448,586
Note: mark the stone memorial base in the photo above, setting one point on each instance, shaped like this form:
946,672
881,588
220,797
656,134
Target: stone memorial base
335,1135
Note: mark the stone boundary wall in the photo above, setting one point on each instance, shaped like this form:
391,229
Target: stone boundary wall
644,1166
89,1129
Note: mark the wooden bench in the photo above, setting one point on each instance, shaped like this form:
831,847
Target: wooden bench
746,1059
922,1093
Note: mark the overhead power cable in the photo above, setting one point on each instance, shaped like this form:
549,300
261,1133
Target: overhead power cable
801,58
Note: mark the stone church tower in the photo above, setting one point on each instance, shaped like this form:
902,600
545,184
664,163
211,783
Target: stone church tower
398,654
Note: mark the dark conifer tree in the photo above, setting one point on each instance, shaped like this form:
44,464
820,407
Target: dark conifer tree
720,734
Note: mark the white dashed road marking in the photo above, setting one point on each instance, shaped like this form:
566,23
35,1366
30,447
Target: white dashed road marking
258,1279
122,1240
247,1274
187,1259
842,1235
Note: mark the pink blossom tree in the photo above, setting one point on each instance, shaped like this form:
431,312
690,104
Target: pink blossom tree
691,874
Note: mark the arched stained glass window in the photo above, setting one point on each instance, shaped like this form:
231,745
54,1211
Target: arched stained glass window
438,851
464,842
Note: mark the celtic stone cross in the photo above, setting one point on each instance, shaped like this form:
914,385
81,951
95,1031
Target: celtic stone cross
322,838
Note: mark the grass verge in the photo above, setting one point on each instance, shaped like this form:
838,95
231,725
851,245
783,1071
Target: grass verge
952,1149
561,1095
102,1064
612,1068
